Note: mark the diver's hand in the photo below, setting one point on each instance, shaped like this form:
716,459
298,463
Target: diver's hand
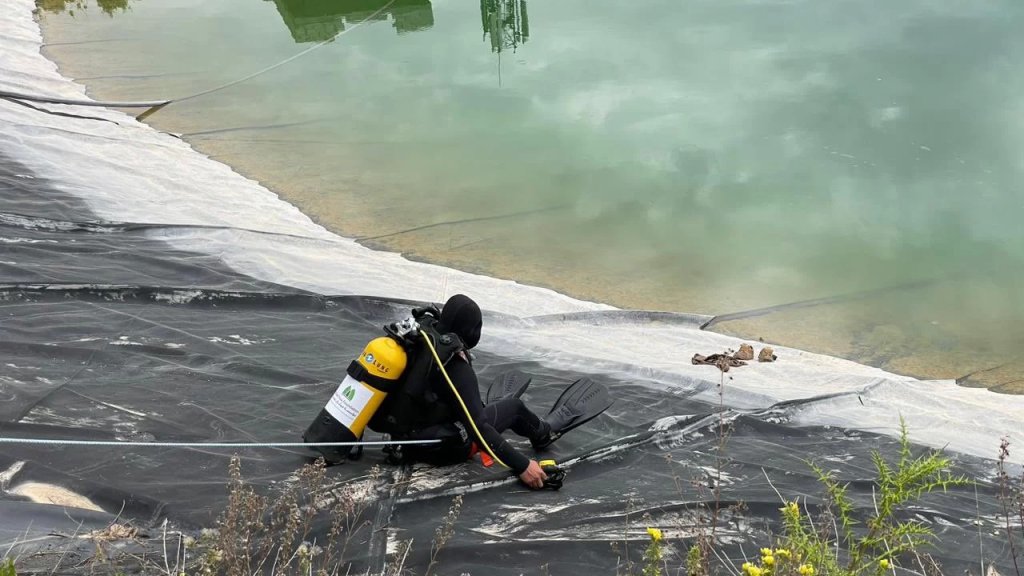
533,476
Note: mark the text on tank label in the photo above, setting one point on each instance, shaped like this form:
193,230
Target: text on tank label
348,401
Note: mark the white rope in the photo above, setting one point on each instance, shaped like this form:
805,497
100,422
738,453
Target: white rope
159,103
64,442
287,60
79,102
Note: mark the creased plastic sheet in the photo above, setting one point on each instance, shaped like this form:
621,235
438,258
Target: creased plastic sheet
150,294
110,334
244,367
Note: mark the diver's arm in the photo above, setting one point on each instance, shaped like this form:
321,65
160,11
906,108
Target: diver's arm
464,379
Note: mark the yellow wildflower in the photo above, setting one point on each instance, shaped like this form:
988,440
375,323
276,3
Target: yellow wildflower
806,570
655,534
791,509
746,567
754,571
884,563
766,551
768,561
782,553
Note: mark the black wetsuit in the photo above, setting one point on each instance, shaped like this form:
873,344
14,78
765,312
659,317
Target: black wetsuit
491,420
462,316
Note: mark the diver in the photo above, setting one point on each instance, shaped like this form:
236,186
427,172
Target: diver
439,397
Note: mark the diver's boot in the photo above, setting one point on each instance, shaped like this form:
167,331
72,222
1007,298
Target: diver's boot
544,440
579,403
557,424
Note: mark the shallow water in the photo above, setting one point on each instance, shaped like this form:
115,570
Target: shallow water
704,156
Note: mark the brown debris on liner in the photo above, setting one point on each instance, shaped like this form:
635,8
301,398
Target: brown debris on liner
722,361
767,355
746,352
730,359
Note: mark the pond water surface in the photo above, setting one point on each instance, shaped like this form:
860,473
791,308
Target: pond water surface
713,156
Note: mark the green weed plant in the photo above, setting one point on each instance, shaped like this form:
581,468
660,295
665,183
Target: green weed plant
846,546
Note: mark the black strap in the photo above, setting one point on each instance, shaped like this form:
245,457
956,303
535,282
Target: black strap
411,404
359,372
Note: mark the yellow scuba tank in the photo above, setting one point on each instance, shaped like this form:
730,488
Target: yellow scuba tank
379,370
368,380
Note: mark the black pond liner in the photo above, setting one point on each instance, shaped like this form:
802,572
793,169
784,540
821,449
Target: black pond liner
108,334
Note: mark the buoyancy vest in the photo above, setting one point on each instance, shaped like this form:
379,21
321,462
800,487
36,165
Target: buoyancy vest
414,404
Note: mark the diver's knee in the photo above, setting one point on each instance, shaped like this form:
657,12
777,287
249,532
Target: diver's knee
508,406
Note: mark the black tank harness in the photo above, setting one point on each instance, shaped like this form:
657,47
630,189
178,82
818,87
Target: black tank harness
413,405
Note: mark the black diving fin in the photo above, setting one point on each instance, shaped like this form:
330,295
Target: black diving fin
508,384
579,403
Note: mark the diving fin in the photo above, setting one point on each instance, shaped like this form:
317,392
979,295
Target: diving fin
508,384
579,403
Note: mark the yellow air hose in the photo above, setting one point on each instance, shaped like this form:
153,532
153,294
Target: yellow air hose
469,418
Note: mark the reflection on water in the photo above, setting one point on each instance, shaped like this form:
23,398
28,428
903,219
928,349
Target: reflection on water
725,156
109,7
320,20
505,22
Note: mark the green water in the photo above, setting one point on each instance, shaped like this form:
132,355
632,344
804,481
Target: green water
706,156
